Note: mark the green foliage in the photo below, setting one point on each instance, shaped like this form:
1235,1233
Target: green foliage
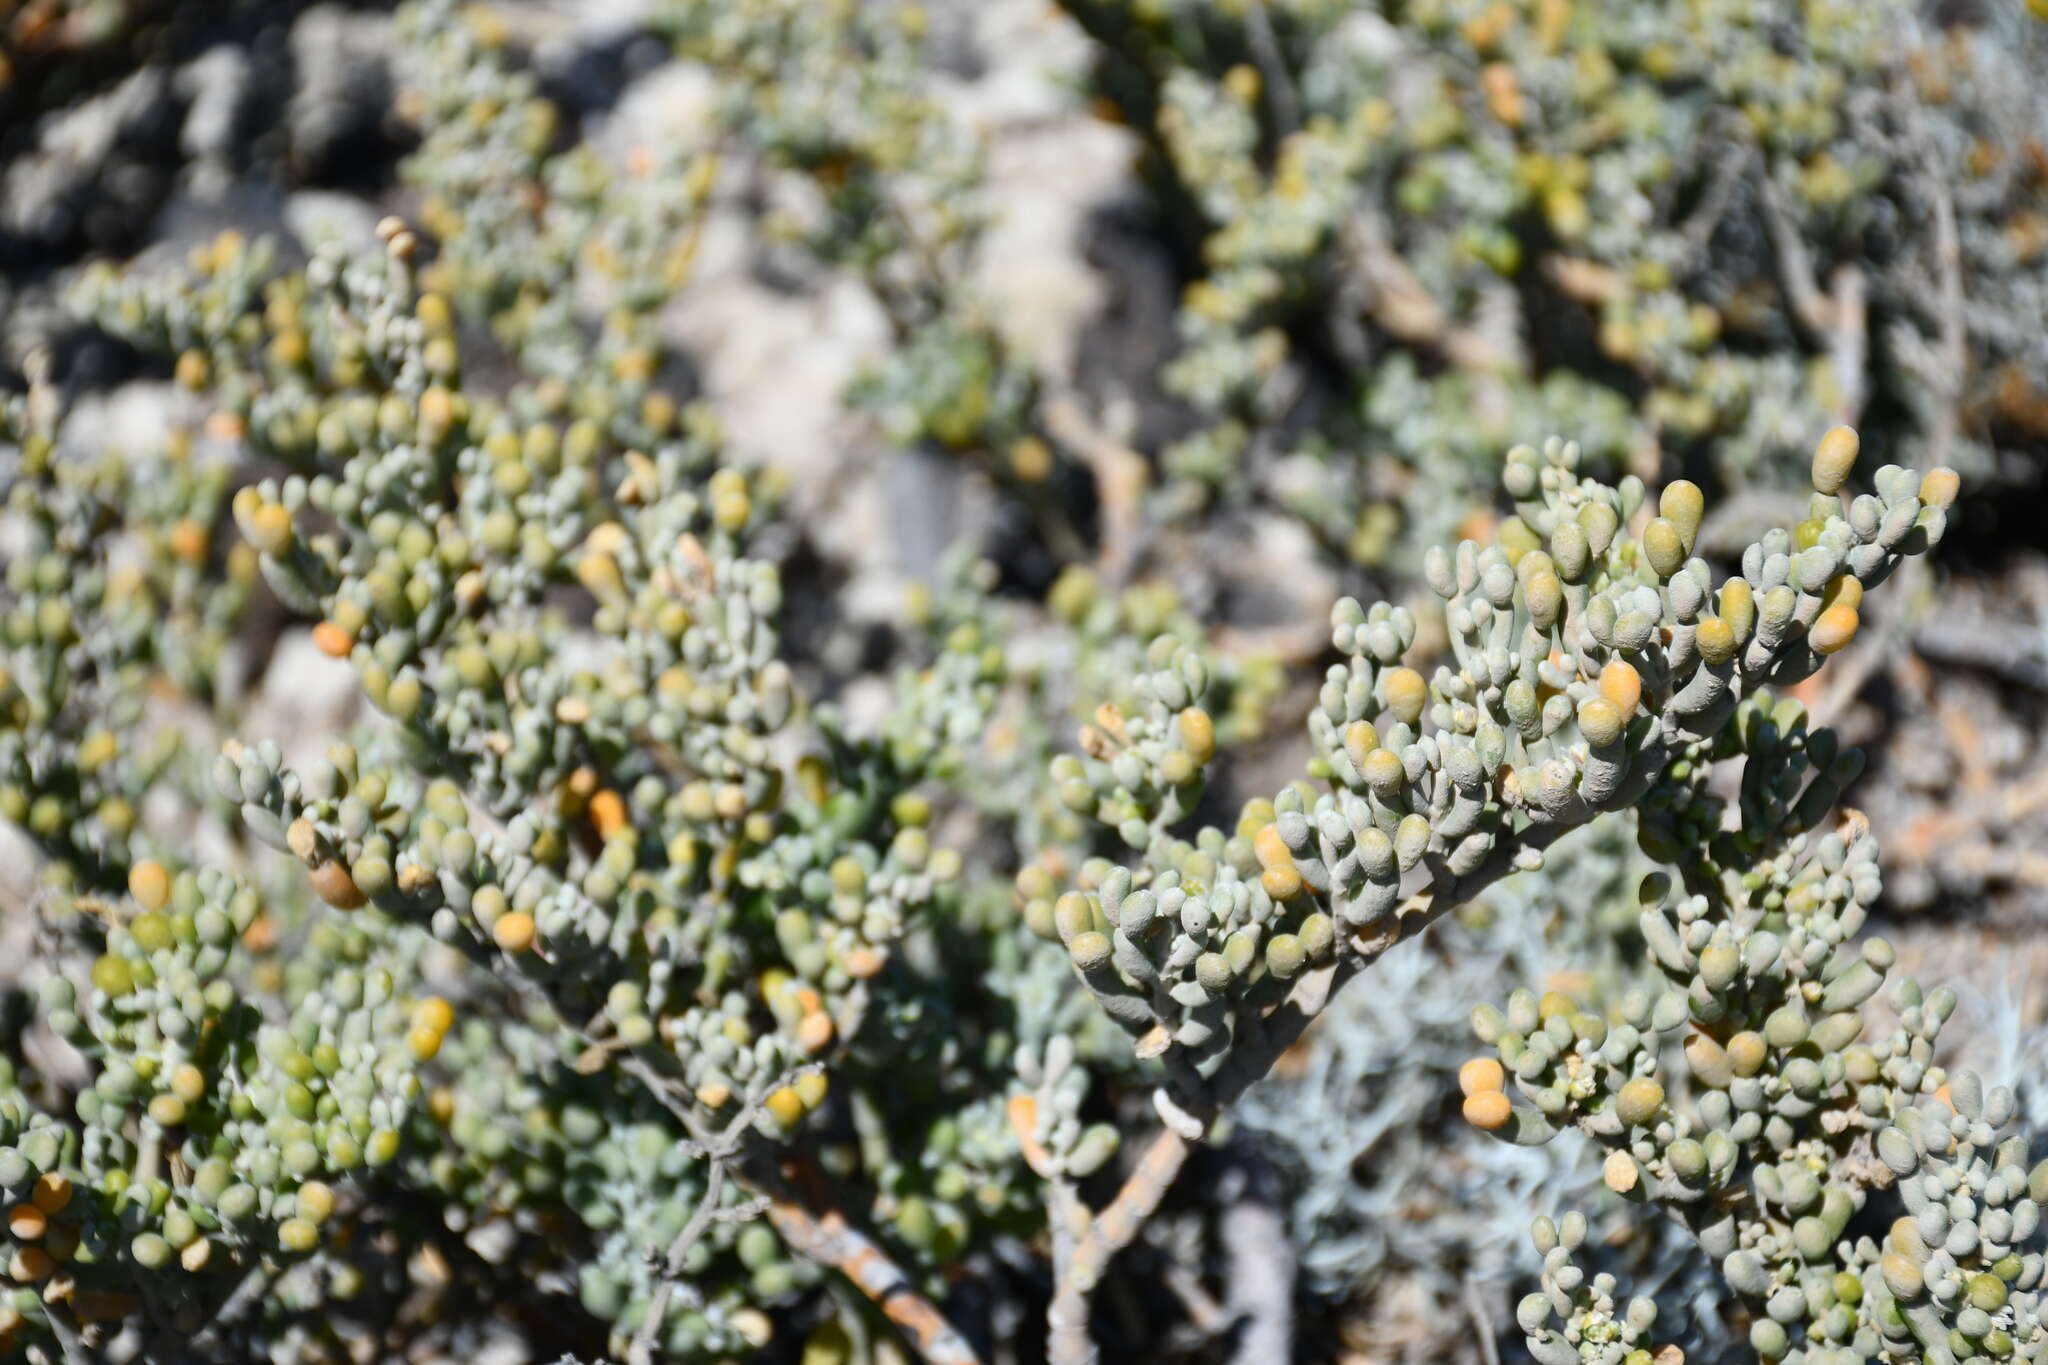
1701,230
661,951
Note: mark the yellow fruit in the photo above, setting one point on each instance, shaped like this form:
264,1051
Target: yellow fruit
1716,640
424,1042
1834,630
188,541
1664,546
1383,768
1738,607
1639,1101
1600,721
52,1193
814,1032
1360,739
433,1013
150,884
1622,685
1833,458
1031,460
332,883
1746,1053
514,931
1281,883
270,528
607,813
1488,1109
332,640
1271,849
1406,694
316,1202
1480,1076
1682,504
785,1106
30,1265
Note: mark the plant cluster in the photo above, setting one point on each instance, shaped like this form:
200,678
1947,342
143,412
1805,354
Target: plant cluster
1698,231
639,976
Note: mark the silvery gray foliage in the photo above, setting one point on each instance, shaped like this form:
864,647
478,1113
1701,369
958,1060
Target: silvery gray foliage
1592,672
1784,1124
1356,1129
665,895
1381,1191
1589,668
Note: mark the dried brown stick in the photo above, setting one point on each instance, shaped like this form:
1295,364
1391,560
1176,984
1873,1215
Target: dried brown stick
829,1239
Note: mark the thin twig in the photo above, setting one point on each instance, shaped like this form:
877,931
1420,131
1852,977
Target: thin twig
1121,476
1067,1215
1110,1231
1699,225
1403,306
706,1213
1582,280
1849,342
1948,270
1208,1316
1272,64
829,1239
1482,1322
1795,267
826,1237
67,1336
1838,322
702,1217
233,1308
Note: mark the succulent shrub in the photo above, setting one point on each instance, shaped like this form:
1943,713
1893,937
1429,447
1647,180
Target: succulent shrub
636,974
1596,671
